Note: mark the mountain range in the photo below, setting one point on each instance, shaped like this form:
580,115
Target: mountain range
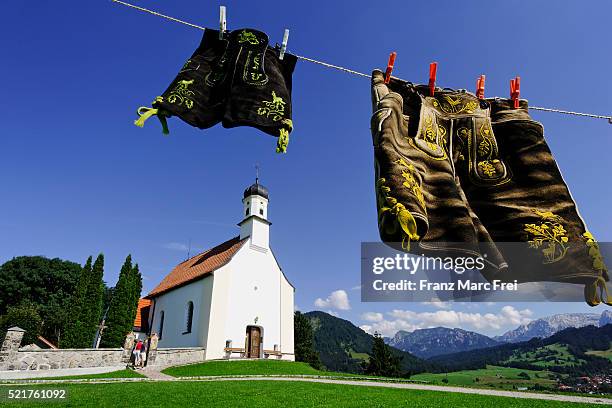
427,343
547,326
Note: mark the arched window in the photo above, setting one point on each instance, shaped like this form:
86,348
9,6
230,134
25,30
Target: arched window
161,324
188,317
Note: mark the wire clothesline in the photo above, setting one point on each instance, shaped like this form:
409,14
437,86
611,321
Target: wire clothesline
344,69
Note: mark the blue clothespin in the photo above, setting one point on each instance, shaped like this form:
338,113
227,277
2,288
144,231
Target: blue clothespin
283,49
222,22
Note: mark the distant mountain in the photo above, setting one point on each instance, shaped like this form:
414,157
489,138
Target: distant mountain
343,346
606,318
569,351
547,326
427,343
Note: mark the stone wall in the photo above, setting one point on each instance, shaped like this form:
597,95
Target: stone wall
14,358
176,356
51,359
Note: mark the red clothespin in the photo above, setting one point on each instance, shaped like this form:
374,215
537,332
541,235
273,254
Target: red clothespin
515,90
390,65
480,87
433,72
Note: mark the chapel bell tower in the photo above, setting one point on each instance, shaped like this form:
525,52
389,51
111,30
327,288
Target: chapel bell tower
255,211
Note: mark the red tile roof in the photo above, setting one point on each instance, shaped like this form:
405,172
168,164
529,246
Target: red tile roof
198,266
142,314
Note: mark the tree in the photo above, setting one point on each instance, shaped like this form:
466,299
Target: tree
382,361
26,316
74,336
304,341
91,312
48,284
123,305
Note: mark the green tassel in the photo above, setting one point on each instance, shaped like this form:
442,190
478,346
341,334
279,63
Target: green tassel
164,123
283,141
145,113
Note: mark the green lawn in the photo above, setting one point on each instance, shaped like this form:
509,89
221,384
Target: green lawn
254,394
247,367
112,374
492,376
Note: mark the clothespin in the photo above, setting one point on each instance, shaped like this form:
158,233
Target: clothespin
480,87
390,65
433,72
222,22
281,55
515,90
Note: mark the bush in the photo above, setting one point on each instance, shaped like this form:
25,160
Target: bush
25,315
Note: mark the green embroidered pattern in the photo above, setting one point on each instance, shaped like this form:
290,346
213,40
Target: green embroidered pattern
549,235
594,252
247,36
253,74
181,95
403,217
274,109
411,183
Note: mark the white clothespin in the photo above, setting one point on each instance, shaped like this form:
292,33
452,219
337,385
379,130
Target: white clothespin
222,22
281,55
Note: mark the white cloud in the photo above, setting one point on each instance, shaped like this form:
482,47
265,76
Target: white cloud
176,246
331,312
372,317
438,304
358,287
409,320
338,299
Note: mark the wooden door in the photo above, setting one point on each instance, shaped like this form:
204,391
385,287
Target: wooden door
254,336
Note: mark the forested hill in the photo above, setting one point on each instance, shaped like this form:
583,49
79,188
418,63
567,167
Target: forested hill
577,351
343,346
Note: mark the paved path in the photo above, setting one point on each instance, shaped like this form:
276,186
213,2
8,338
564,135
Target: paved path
62,372
156,375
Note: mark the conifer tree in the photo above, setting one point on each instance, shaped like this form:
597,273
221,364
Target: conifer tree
74,335
122,309
382,361
91,311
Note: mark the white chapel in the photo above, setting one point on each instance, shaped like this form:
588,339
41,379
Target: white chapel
234,300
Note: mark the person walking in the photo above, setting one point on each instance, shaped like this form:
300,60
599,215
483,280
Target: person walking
136,353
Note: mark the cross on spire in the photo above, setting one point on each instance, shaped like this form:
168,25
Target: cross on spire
256,173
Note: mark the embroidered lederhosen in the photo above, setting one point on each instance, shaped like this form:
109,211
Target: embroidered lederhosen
238,80
192,96
418,195
260,91
531,203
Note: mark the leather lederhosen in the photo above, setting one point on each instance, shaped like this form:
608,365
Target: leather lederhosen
455,169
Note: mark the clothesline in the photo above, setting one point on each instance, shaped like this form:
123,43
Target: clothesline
347,70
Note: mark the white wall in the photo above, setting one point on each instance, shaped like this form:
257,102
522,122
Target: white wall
173,305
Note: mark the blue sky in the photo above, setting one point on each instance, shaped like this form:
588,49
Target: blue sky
79,178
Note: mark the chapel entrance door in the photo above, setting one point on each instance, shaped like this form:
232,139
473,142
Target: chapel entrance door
253,341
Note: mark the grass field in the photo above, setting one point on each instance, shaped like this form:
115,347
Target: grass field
490,377
245,367
547,356
112,374
254,394
601,353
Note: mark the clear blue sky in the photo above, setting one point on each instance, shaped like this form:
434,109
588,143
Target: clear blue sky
79,178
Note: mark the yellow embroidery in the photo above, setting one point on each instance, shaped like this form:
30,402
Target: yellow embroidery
404,218
274,109
430,134
487,168
549,235
181,95
411,183
458,104
247,36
